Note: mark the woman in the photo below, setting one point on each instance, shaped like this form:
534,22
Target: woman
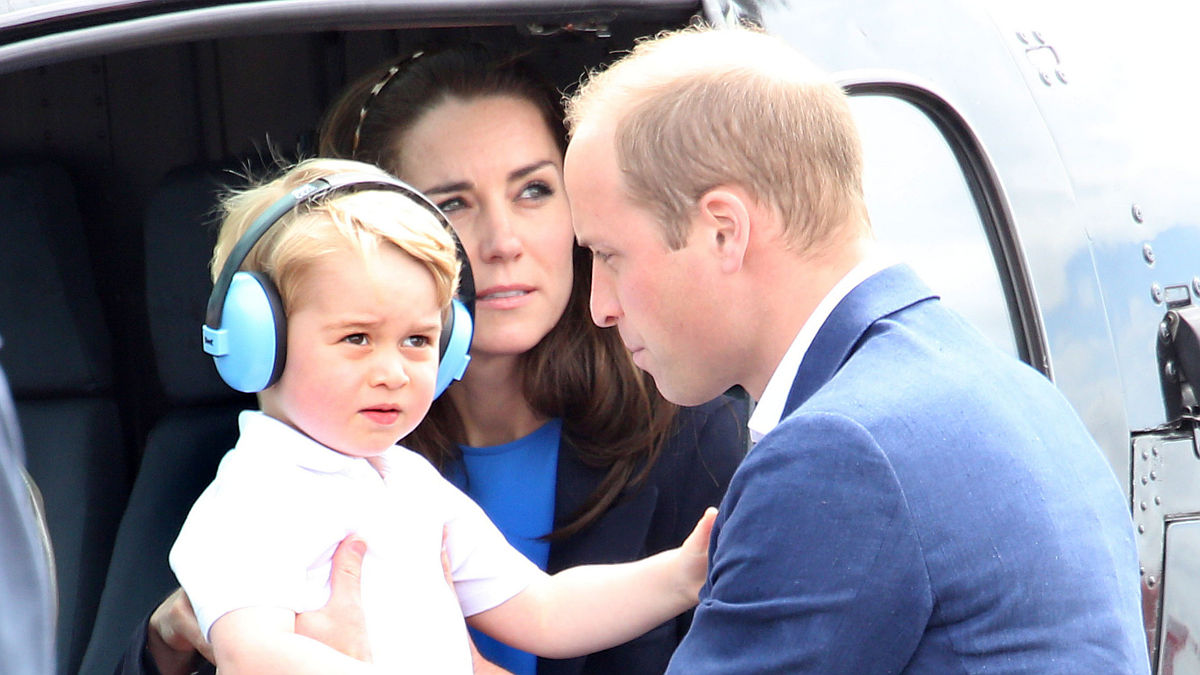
563,442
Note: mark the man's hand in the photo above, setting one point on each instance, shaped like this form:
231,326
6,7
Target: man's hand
341,624
173,638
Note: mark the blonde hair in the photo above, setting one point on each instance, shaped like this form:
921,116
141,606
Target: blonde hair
358,221
700,107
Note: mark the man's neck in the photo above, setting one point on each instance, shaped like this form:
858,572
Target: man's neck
794,284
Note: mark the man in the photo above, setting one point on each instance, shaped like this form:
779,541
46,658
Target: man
917,501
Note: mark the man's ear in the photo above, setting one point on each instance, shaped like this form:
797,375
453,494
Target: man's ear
725,218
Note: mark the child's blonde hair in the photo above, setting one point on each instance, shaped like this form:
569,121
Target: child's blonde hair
360,221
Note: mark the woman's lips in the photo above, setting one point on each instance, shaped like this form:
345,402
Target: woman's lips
504,297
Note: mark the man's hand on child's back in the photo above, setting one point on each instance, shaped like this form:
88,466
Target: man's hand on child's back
341,623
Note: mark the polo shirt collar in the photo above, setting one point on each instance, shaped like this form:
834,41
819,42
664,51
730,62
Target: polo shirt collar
263,433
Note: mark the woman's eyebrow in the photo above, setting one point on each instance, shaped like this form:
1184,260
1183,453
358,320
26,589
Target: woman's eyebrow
449,187
517,174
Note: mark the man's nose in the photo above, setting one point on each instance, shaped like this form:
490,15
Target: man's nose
605,308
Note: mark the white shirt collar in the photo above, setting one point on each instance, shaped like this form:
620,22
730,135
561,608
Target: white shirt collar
263,434
769,409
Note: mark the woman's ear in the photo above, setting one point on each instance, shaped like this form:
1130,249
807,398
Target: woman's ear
725,221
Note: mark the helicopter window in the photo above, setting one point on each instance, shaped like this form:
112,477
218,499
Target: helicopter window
922,211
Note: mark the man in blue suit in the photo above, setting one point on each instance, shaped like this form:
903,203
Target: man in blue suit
917,501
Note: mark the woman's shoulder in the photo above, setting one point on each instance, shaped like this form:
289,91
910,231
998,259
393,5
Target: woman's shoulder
710,438
720,423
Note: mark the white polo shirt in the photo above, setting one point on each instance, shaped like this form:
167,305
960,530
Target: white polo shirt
263,534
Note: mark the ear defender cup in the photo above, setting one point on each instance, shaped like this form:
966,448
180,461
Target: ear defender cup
454,346
255,333
245,328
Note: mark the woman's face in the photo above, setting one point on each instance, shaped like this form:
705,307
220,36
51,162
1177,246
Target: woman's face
493,166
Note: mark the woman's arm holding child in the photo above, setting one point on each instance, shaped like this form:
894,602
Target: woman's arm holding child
262,640
593,607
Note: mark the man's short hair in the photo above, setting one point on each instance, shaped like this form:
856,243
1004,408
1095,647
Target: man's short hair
702,107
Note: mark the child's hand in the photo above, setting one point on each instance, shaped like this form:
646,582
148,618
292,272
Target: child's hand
693,554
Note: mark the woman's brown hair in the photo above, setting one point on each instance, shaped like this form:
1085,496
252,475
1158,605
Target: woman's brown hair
612,413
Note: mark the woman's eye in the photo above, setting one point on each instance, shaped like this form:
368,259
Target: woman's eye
536,190
356,339
453,204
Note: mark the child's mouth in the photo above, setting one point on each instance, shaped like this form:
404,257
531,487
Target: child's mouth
384,416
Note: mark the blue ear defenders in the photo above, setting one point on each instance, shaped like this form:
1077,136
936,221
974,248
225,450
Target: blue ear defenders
245,329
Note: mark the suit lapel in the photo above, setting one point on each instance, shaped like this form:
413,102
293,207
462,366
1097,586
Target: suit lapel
886,292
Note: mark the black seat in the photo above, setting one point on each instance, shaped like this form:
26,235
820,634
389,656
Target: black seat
185,445
58,360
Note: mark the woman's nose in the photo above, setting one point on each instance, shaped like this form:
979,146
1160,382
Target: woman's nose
500,240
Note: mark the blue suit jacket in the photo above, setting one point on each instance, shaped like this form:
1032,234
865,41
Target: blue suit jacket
927,504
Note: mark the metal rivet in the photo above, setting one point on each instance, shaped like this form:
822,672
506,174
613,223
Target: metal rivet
1137,213
1141,529
1153,475
1151,581
1144,507
1062,77
1148,253
1142,570
1169,370
1145,480
1156,292
1154,451
1145,454
1158,501
1164,331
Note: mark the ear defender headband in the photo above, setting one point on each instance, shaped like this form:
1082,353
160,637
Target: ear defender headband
245,329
